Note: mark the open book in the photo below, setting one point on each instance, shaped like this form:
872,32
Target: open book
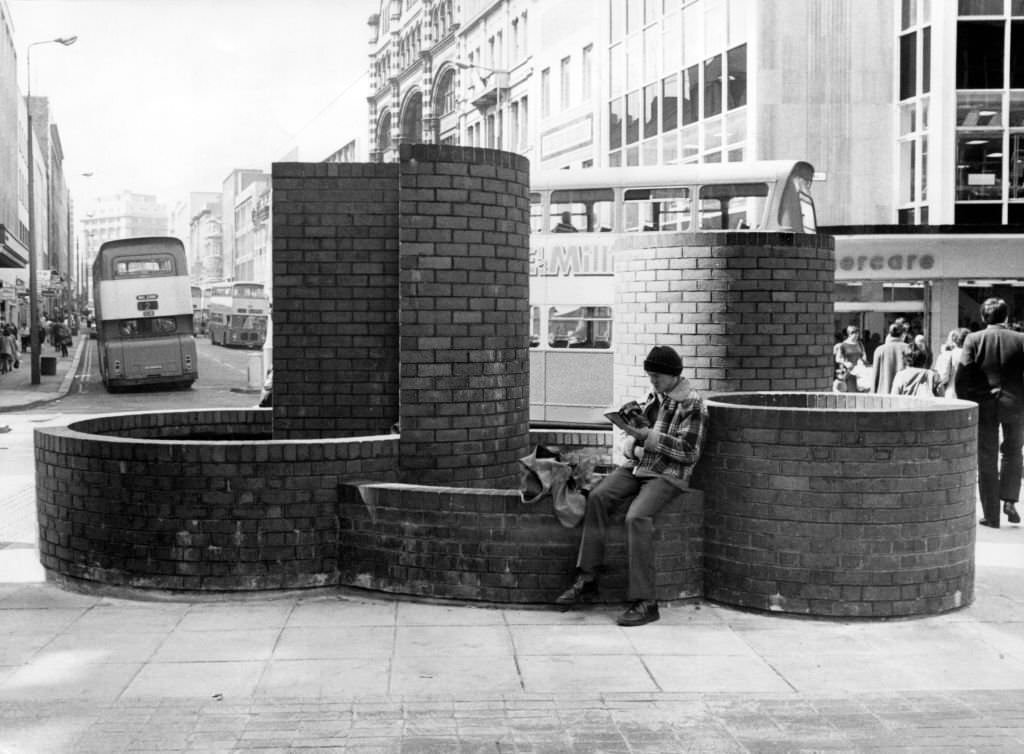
630,416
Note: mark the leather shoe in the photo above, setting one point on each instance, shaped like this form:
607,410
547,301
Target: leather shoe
986,522
582,590
1010,509
639,613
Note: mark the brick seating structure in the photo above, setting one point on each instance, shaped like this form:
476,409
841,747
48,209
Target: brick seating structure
401,295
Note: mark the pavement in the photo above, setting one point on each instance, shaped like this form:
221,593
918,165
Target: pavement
335,670
17,391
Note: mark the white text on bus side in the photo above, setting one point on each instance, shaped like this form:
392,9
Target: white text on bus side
570,259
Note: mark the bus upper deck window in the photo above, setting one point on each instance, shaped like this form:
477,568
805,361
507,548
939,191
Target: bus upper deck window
732,206
581,210
664,209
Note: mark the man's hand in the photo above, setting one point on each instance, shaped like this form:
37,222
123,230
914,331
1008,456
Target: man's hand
638,433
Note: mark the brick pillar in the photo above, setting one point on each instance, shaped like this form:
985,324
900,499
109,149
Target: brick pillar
335,299
746,311
464,282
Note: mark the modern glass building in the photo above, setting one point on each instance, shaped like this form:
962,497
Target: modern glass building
911,111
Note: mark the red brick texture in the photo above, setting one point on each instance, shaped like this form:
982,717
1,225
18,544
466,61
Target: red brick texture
839,504
746,311
464,282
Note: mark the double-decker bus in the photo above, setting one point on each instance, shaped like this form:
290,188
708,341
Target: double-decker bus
143,313
576,220
238,314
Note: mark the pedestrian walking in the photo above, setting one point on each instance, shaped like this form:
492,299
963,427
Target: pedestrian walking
949,359
991,373
661,454
916,378
8,348
888,360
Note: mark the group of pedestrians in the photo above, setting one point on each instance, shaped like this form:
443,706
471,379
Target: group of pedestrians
986,367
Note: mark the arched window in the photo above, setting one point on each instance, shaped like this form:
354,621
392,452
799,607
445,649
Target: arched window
384,132
412,119
444,94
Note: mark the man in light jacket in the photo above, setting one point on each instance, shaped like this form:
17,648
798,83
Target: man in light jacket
660,461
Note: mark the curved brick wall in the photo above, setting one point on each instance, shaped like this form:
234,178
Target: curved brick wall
158,501
746,311
839,505
127,500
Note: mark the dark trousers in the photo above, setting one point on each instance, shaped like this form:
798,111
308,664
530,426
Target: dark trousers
999,465
645,497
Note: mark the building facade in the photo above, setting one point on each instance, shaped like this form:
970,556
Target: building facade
908,110
122,215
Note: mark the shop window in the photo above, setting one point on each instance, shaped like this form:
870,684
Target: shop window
1016,164
979,55
979,109
1016,214
905,217
1017,54
908,14
979,165
978,214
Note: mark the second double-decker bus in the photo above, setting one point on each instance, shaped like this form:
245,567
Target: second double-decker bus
238,314
577,218
144,313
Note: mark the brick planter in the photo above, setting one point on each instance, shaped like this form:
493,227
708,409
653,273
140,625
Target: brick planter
839,505
166,501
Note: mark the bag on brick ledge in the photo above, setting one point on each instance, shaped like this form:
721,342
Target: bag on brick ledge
544,475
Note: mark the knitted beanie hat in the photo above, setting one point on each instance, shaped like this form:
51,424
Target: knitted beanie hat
663,360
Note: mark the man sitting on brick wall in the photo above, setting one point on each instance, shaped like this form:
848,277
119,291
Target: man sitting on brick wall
660,459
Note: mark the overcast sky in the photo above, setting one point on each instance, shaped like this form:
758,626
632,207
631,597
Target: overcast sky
168,96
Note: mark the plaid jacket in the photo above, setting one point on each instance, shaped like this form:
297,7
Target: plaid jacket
674,444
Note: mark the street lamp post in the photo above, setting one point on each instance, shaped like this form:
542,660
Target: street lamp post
500,75
33,284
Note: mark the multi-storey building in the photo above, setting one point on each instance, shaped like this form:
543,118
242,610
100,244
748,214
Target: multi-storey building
251,226
206,241
180,223
13,181
234,184
122,215
912,113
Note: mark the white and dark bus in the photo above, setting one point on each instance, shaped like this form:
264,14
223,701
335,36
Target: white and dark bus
238,313
576,220
144,315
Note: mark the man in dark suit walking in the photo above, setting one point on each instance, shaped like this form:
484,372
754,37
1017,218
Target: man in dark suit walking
991,373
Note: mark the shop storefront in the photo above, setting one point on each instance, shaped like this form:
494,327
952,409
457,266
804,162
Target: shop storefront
934,280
